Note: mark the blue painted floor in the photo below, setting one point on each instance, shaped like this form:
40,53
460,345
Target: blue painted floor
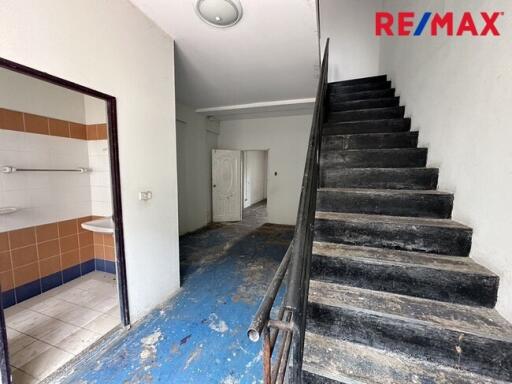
199,336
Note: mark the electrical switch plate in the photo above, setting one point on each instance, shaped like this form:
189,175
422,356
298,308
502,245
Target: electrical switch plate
145,196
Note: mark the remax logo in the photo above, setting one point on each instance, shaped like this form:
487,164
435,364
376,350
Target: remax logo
447,24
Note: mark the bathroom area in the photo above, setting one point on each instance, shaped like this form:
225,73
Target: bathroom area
58,267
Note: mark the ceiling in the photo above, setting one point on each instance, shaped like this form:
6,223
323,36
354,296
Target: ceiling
270,55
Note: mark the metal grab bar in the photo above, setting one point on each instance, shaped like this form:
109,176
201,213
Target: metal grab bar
11,169
291,321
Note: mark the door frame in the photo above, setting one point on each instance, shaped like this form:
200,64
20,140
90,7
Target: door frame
116,194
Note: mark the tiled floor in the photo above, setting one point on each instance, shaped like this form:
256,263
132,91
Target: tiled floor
48,330
199,336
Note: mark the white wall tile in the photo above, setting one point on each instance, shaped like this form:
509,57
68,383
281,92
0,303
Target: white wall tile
99,162
46,197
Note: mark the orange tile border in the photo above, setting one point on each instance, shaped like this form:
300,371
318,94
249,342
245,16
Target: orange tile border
29,123
11,120
36,124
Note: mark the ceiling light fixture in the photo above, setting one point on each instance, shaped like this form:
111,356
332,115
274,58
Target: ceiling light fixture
219,13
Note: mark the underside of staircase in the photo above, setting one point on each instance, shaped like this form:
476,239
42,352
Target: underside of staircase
394,297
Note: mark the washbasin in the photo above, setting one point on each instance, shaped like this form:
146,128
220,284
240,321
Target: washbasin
100,225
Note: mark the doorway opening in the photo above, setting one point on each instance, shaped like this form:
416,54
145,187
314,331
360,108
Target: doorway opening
255,176
239,181
63,279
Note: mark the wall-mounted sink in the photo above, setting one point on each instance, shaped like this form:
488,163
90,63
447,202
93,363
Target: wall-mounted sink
100,226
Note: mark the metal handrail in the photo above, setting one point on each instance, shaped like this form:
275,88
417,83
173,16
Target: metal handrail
291,321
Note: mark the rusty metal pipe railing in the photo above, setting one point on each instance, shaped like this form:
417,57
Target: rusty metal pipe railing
291,321
262,315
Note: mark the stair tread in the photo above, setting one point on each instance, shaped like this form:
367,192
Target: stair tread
362,80
369,191
382,169
398,220
366,103
382,150
363,99
372,134
359,95
366,110
400,257
480,321
373,121
363,86
352,363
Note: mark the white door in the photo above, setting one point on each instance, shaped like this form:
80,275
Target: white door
226,185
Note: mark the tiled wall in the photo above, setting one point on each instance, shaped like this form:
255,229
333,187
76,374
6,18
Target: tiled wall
104,253
101,199
32,141
36,259
42,245
29,123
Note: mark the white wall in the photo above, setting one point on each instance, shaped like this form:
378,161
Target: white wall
95,110
286,140
110,46
459,94
25,94
354,49
194,168
255,177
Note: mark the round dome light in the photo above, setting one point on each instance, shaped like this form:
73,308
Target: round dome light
219,13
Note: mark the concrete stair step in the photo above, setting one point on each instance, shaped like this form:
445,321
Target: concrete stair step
366,114
329,361
335,98
370,141
367,126
354,105
474,339
412,203
440,236
364,86
374,158
445,278
362,80
379,178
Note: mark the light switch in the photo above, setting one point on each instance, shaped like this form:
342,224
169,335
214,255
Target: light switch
145,196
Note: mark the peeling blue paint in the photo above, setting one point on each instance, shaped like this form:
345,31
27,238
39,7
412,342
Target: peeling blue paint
199,336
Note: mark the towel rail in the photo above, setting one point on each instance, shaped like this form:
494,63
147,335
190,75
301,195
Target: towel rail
11,169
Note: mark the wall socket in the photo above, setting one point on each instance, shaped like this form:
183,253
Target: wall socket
145,196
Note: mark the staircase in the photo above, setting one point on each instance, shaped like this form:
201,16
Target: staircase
394,297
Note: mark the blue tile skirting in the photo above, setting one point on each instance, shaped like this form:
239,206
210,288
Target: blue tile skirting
105,266
34,288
